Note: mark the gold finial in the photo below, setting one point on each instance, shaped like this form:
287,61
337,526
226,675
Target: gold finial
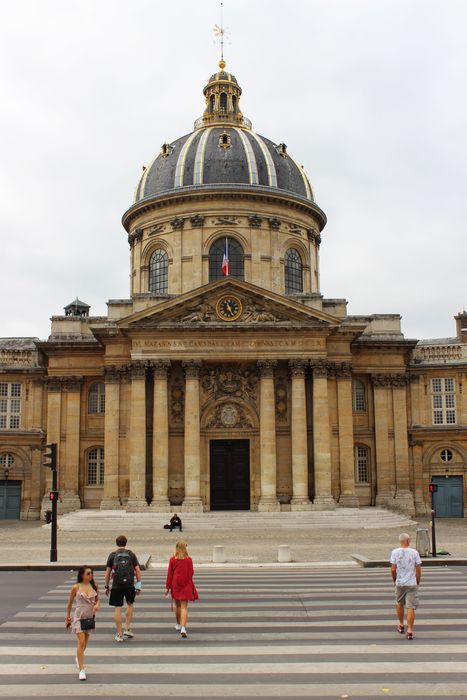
220,31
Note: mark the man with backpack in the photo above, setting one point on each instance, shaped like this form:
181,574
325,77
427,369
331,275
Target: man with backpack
121,570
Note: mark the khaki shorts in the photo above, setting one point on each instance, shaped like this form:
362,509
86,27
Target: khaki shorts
407,596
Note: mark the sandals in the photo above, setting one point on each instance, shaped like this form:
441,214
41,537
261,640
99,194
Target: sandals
409,635
400,629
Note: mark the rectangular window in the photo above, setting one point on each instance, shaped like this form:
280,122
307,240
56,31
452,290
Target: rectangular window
362,464
10,405
443,401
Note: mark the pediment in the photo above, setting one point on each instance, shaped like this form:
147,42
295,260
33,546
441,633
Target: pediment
200,308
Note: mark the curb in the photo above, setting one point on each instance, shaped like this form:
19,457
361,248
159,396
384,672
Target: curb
426,561
144,561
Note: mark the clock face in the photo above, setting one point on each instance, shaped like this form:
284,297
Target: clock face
229,308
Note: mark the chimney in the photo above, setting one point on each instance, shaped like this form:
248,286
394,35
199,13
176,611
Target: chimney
461,326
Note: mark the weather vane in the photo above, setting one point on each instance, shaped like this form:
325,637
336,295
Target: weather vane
221,32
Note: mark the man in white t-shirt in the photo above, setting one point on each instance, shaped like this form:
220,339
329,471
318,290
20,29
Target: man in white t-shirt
406,573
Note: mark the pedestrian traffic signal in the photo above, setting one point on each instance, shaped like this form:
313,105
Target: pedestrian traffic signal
49,459
53,495
433,488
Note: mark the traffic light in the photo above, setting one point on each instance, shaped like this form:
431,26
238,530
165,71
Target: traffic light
53,495
433,488
49,459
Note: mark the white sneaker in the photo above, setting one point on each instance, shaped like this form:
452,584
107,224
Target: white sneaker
82,675
119,638
178,627
183,632
128,634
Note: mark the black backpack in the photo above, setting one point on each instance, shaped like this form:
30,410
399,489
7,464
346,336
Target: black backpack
123,571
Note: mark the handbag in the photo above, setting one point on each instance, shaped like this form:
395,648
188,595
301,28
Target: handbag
87,623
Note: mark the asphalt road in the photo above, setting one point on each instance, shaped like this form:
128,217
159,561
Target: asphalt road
20,587
326,632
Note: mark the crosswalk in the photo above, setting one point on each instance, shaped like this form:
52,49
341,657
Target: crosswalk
325,632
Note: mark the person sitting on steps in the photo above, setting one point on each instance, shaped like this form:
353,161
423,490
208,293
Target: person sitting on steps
175,521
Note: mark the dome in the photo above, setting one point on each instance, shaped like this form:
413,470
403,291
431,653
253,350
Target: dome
223,155
223,150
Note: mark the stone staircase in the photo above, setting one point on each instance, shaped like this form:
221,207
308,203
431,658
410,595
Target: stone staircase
340,518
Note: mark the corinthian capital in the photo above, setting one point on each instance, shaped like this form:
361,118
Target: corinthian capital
320,368
138,369
160,368
192,368
266,367
297,367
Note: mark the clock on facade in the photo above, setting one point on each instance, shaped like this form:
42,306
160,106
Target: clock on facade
229,308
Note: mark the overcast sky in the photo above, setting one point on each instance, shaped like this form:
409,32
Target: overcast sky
370,95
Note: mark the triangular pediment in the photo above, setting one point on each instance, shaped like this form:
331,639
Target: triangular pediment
245,303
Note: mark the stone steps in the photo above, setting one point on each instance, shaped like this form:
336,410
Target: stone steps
341,518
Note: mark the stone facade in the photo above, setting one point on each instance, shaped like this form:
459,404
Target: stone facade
336,409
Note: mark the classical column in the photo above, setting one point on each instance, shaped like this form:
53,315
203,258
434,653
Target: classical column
267,428
384,481
300,500
160,439
321,439
404,497
192,501
69,467
346,441
422,506
137,497
54,416
111,499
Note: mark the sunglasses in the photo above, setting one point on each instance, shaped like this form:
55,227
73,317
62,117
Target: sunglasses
88,573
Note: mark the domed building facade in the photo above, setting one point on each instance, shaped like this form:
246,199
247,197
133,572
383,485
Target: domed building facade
226,381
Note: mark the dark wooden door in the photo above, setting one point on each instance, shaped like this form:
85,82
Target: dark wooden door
230,474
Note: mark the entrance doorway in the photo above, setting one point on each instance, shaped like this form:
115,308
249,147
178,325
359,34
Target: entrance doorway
230,474
448,500
10,500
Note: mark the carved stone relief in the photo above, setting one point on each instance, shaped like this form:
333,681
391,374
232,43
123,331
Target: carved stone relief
225,221
230,380
229,415
177,399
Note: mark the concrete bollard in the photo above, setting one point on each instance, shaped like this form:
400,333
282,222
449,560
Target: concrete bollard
423,542
218,554
284,554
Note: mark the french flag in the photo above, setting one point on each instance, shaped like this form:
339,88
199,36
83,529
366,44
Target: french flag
225,260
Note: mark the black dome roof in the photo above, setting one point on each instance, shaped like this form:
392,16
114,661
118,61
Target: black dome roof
216,155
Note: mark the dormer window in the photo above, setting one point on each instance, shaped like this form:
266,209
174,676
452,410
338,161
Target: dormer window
282,150
166,150
224,140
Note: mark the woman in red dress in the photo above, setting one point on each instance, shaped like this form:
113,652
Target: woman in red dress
180,584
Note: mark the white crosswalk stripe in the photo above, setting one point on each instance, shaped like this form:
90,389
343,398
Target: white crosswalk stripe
269,632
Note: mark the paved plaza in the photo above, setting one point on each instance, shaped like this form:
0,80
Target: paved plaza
249,538
266,633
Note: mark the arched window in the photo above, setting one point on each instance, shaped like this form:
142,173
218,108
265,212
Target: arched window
6,462
212,102
293,272
223,102
96,398
95,466
216,257
362,464
234,103
358,396
159,272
